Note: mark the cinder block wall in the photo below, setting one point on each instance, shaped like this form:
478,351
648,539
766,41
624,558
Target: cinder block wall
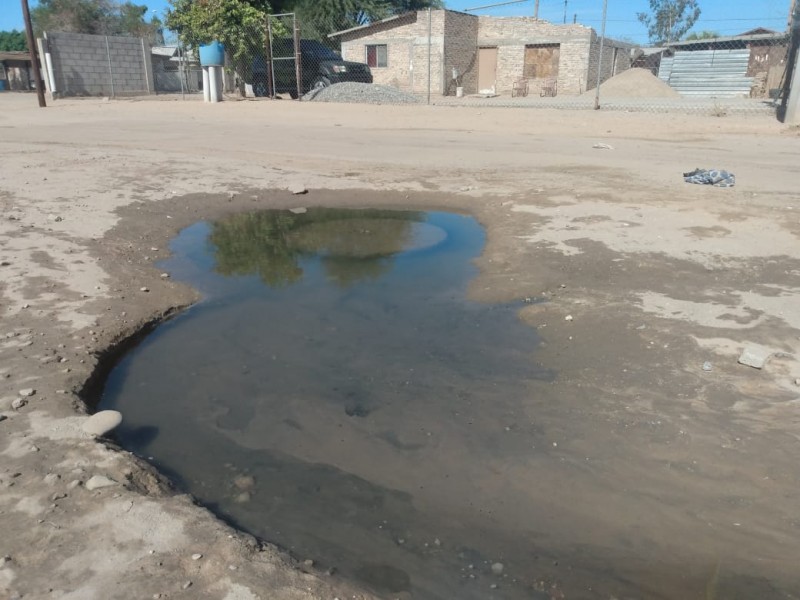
616,58
511,34
81,65
460,51
406,42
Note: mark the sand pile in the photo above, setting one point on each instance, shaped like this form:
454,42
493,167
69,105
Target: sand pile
635,83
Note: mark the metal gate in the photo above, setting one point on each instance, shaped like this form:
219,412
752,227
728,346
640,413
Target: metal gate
283,65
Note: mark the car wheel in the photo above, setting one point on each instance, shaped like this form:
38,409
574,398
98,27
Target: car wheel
320,82
260,89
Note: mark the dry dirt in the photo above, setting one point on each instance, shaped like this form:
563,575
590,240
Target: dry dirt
668,480
635,83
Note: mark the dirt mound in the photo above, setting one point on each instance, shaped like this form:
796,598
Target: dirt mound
635,83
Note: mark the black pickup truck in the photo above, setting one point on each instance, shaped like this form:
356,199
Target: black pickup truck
321,67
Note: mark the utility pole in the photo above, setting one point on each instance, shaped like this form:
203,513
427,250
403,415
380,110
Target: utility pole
600,57
37,73
791,93
536,10
565,12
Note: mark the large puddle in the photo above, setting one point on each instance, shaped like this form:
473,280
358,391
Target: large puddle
336,393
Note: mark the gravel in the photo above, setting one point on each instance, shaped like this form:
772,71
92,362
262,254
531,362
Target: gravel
360,93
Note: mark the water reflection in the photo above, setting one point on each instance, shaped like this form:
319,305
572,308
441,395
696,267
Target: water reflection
353,244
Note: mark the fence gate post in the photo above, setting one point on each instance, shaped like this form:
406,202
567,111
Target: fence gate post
110,70
298,66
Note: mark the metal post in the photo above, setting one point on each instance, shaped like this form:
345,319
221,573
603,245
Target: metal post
270,62
110,70
430,32
565,12
536,10
298,59
144,63
600,58
37,73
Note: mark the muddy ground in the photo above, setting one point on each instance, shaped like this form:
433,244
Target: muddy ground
666,480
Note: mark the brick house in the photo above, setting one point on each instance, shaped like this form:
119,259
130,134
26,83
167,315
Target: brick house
484,53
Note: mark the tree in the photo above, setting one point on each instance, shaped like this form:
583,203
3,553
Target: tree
321,17
669,20
702,35
101,17
13,41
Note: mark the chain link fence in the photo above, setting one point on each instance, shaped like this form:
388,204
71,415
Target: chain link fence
446,57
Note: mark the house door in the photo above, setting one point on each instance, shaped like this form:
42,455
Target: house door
487,69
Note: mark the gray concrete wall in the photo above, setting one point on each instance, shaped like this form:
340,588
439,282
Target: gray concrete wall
97,65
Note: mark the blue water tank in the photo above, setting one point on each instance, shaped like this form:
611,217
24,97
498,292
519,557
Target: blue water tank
212,55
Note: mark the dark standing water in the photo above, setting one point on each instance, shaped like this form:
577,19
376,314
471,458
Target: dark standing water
337,394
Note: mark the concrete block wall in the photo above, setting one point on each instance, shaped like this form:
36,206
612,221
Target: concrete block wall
406,42
96,65
616,58
511,34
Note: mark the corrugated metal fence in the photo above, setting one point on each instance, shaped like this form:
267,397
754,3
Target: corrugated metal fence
717,73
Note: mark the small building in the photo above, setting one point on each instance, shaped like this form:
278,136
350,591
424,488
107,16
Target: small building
751,64
481,54
175,70
15,71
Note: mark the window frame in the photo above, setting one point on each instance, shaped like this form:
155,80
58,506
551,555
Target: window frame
377,48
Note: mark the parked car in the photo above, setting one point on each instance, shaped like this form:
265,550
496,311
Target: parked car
321,67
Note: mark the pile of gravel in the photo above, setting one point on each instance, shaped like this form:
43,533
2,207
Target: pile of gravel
360,93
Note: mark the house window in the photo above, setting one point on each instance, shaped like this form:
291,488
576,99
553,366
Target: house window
377,55
541,61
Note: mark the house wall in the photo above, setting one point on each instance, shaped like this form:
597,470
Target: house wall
616,58
81,64
461,51
407,51
454,41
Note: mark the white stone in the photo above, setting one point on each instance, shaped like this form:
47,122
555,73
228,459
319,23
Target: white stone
103,422
754,356
99,481
297,188
568,318
497,568
18,403
27,392
299,210
197,556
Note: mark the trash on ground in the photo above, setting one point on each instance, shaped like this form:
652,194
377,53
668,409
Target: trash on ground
715,177
603,146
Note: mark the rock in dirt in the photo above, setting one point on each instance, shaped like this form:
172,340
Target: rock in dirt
497,568
197,556
298,211
297,188
244,482
707,366
99,481
754,356
52,478
27,392
101,423
18,403
3,418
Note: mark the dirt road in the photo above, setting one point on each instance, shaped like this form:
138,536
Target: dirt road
667,479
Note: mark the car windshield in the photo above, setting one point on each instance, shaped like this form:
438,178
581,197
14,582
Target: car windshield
318,51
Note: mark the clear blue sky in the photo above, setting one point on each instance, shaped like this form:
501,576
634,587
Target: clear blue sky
726,17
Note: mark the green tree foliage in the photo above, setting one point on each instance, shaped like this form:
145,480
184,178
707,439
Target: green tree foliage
102,17
353,245
702,35
321,17
13,41
669,20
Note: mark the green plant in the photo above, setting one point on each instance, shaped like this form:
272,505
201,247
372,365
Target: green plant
669,20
